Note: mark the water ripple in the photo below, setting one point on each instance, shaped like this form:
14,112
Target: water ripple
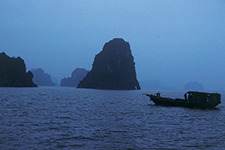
68,118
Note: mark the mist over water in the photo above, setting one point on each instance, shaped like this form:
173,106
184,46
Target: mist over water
69,118
172,41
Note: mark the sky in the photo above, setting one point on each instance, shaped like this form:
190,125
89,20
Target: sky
173,41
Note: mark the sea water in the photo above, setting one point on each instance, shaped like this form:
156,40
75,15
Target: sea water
70,118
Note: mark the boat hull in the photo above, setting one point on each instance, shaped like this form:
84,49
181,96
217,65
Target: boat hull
178,102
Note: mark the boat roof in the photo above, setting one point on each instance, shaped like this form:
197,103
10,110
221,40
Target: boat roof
196,92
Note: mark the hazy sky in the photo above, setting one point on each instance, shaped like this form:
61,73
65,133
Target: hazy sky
174,41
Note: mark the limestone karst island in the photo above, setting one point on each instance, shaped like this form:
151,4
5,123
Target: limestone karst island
13,72
113,68
77,75
41,78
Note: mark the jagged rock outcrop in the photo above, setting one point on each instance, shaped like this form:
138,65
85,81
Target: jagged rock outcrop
41,78
77,75
193,86
13,72
113,68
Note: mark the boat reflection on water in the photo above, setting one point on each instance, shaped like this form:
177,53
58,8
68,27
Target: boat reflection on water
191,99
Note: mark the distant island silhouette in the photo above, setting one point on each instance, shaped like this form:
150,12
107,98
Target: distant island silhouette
113,68
13,72
193,86
41,78
77,75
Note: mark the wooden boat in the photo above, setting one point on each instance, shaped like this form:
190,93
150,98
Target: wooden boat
191,99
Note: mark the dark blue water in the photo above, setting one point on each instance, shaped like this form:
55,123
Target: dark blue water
69,118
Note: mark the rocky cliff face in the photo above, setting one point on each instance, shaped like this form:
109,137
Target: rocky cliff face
41,78
113,68
13,72
77,75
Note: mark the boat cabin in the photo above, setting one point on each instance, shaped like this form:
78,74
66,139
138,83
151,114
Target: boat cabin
202,97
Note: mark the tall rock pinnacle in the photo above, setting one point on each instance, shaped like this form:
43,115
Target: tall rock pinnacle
113,68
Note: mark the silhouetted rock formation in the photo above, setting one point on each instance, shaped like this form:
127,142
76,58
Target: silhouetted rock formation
41,78
77,75
113,68
13,72
193,86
